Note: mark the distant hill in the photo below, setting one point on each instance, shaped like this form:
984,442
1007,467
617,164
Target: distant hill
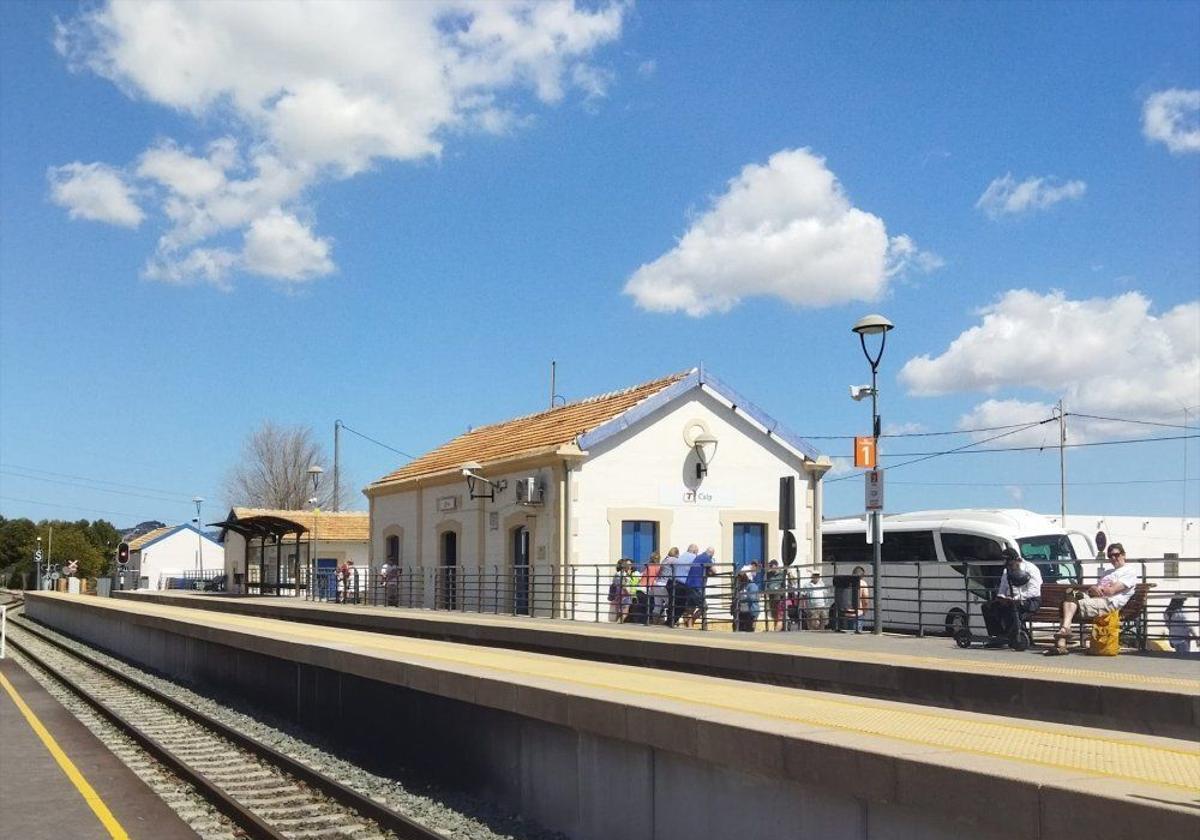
141,528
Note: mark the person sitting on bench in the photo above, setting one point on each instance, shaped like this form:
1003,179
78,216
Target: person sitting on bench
1019,593
1112,592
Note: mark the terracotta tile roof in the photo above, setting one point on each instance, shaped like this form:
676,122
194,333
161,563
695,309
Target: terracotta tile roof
343,526
529,435
137,542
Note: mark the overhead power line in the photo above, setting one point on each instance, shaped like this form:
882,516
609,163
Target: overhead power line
1035,448
185,496
379,443
70,507
1044,483
965,446
1127,420
61,482
937,434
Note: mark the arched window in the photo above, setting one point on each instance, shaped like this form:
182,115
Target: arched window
393,550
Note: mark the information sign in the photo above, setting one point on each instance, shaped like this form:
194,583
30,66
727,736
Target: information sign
874,490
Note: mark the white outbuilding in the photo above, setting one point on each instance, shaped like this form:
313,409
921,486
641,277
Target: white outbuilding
530,515
172,557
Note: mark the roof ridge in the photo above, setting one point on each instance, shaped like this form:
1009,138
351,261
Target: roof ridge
672,377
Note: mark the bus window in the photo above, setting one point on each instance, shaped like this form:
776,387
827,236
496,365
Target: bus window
1054,556
908,547
852,549
976,558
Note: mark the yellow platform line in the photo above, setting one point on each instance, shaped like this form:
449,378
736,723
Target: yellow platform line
67,766
815,651
1045,746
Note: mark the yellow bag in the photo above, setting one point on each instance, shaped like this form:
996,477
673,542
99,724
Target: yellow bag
1106,635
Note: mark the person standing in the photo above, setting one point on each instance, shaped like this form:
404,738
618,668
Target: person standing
680,594
775,585
698,574
746,600
814,601
864,598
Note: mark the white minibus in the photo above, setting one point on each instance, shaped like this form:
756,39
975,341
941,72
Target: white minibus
939,566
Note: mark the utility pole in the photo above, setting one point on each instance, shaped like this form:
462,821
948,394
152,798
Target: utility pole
337,459
1062,464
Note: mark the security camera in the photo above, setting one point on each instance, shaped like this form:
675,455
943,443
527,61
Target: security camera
860,392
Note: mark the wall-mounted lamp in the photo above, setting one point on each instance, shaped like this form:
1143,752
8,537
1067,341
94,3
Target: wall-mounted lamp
470,471
705,446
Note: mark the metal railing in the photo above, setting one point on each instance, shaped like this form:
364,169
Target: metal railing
210,580
918,598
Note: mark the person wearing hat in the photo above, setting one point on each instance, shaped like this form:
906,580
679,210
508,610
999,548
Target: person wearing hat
1019,593
814,601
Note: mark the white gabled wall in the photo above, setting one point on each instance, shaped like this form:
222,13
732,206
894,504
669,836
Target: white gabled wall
646,472
176,553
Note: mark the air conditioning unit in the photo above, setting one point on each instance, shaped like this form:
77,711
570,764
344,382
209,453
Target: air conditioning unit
530,491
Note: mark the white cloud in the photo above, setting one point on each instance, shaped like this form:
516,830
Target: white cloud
786,229
94,191
1004,196
1172,117
1105,356
279,245
385,81
200,265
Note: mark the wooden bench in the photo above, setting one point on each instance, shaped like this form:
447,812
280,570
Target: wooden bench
1131,617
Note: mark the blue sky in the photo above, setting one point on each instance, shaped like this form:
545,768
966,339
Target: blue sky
759,174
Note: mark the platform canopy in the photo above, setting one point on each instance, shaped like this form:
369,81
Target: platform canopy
270,527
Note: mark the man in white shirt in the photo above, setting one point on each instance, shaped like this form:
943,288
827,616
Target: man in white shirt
814,601
1020,592
1112,592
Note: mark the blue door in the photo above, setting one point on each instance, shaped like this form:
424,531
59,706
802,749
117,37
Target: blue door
639,539
327,578
749,543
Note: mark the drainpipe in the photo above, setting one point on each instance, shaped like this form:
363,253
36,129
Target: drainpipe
564,539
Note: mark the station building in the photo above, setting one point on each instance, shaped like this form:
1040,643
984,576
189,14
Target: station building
170,553
268,551
556,498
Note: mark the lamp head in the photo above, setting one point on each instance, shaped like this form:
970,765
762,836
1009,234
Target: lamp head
705,446
470,468
861,392
314,472
872,324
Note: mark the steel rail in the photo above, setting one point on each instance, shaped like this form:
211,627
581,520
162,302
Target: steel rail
404,827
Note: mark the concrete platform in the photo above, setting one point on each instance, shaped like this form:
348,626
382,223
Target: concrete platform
561,739
1154,694
38,801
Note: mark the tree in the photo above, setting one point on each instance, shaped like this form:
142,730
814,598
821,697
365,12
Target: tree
273,470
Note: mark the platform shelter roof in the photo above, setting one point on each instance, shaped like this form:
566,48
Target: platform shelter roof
333,526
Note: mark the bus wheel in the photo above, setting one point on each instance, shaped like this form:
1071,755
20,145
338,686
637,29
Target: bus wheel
956,620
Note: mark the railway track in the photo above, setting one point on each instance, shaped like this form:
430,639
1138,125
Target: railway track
266,793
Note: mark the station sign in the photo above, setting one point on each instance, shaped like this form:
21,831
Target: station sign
864,453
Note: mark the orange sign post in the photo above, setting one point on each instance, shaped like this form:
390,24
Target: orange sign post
864,452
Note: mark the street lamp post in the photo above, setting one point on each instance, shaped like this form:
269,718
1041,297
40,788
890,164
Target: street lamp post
199,538
875,325
314,472
37,566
